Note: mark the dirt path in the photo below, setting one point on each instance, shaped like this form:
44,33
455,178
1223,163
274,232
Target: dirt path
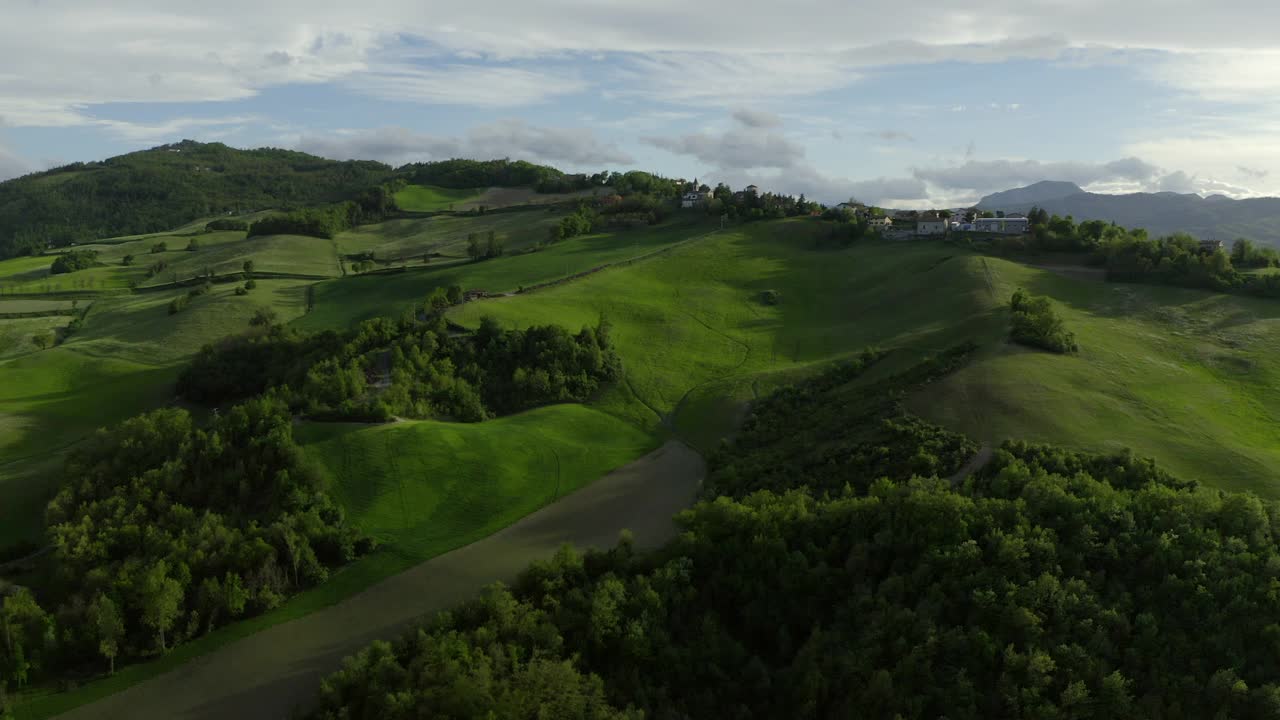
976,463
271,673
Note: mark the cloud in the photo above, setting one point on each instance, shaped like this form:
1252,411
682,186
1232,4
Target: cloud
174,128
736,149
11,165
1254,173
981,177
473,85
515,138
815,185
892,135
565,147
719,79
757,118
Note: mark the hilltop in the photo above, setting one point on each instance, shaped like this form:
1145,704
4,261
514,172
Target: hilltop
1164,213
162,188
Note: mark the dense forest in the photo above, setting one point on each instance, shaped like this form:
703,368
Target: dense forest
1049,585
164,530
370,205
411,367
162,188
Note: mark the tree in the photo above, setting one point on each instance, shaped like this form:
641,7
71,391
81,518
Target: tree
109,626
160,247
193,245
265,317
161,600
126,260
454,294
248,268
42,340
474,250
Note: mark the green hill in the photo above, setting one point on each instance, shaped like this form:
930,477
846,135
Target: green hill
162,188
1181,375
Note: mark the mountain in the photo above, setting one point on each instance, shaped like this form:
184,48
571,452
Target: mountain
1039,193
164,187
1163,213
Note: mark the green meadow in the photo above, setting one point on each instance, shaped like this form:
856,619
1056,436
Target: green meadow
421,487
704,319
429,198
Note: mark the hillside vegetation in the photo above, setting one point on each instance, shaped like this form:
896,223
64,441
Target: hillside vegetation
162,188
1016,594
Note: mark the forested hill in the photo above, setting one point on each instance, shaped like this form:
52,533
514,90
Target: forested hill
162,188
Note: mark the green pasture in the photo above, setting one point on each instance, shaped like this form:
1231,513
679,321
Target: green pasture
341,303
422,487
429,198
1188,377
694,318
409,239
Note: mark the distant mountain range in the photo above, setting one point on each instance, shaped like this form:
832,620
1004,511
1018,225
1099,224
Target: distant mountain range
1214,217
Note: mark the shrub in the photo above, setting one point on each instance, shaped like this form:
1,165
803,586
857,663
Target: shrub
73,261
242,290
178,304
1035,324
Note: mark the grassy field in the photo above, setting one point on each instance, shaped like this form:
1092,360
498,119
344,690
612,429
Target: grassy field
1188,377
693,319
410,238
1184,376
123,362
422,487
429,198
341,303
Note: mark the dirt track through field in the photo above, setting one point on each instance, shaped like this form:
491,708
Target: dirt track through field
270,674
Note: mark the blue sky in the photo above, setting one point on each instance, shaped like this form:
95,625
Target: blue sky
904,103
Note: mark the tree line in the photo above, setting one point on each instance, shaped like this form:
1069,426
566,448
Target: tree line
1052,584
369,206
164,530
410,367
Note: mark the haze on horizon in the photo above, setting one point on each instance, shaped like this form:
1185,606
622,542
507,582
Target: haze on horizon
909,107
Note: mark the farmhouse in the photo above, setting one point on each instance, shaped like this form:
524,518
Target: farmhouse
1210,246
931,224
1006,225
693,198
881,223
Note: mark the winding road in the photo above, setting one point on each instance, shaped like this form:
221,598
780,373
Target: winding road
277,672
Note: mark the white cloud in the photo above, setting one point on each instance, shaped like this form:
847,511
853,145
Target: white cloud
739,148
474,85
980,177
756,118
574,148
11,165
169,130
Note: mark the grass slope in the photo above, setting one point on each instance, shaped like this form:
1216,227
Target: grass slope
1188,377
697,340
429,198
410,238
424,487
341,303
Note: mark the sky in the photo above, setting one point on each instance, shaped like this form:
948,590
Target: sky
910,103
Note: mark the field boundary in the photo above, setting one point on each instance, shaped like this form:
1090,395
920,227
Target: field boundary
600,268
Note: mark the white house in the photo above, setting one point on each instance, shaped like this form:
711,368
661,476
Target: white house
881,223
1005,226
929,224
